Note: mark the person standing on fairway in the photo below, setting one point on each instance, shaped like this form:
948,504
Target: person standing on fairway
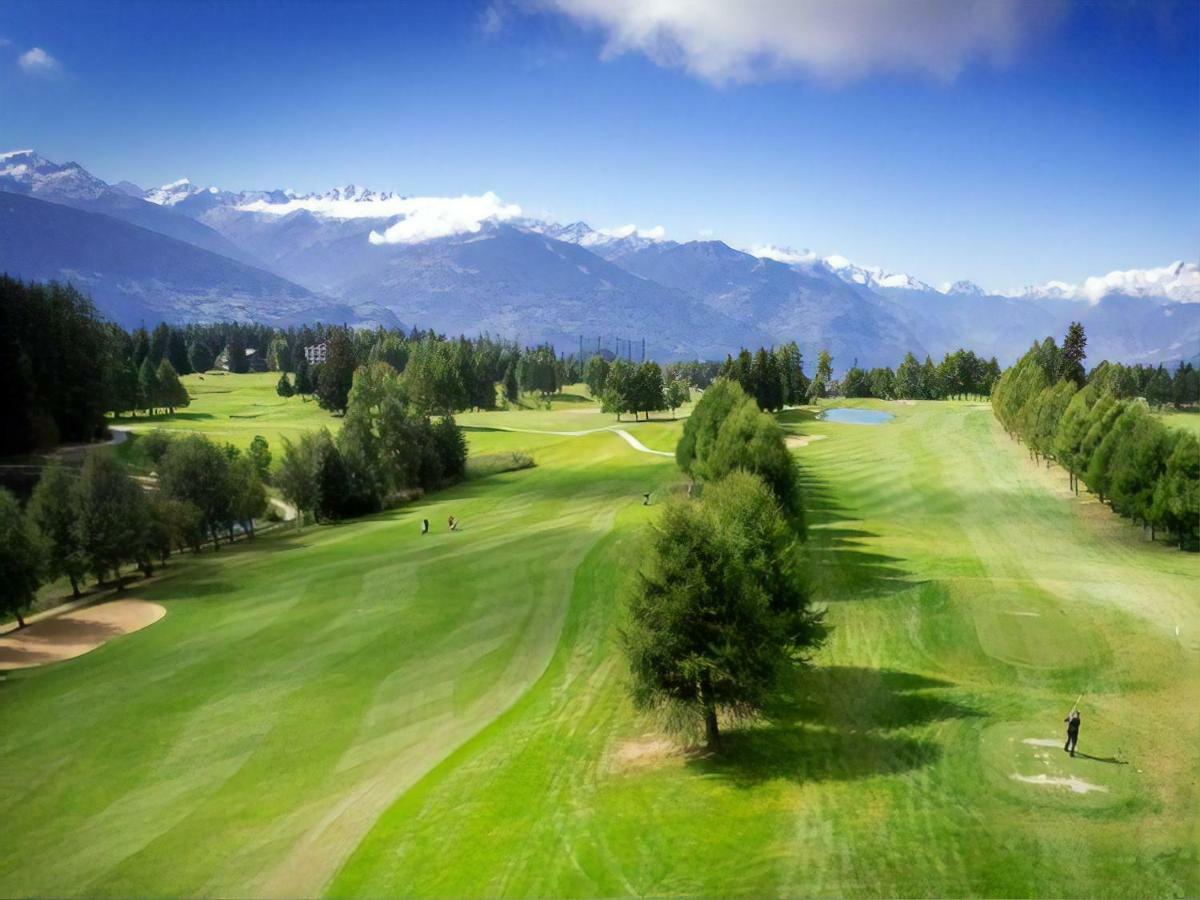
1072,731
424,526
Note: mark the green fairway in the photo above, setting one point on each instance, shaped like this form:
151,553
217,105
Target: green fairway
235,408
360,710
972,601
1186,419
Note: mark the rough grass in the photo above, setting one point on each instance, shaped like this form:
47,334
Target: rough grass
360,710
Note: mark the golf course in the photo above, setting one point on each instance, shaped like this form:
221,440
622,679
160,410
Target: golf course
358,709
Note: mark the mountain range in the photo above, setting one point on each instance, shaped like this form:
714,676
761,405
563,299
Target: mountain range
182,252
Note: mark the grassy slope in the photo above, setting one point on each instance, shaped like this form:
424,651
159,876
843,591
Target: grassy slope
972,599
1188,420
235,408
245,744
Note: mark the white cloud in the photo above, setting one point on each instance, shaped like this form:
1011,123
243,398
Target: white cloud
749,40
1179,281
423,218
657,233
783,254
37,61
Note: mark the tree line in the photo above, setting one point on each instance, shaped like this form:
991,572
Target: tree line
959,375
720,611
639,388
99,519
1112,444
387,449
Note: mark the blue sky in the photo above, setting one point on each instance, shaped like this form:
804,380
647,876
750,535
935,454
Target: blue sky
1005,141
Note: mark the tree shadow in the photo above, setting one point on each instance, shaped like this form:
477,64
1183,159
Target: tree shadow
834,724
162,417
1109,760
845,565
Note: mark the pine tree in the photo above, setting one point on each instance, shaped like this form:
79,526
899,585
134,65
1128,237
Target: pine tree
171,392
1074,351
148,387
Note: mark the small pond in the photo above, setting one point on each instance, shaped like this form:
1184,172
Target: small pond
849,416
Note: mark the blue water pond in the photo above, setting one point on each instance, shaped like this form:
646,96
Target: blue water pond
856,416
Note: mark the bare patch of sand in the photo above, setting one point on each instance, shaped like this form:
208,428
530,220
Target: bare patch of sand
803,440
907,402
1077,785
75,633
1017,612
645,751
1043,742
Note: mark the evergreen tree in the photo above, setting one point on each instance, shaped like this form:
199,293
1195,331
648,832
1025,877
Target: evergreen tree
235,353
177,353
200,357
337,372
283,387
512,390
171,392
21,559
1074,351
148,386
303,386
720,611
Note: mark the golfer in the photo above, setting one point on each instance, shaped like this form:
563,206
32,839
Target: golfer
646,499
1072,731
424,526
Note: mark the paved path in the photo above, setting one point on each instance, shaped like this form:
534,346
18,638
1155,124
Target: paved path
629,438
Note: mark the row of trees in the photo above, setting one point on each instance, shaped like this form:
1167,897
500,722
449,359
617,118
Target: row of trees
774,378
1119,450
387,447
720,610
99,519
1154,384
627,387
960,374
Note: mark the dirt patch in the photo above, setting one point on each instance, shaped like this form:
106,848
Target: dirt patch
907,402
75,633
645,751
1077,785
803,440
1042,742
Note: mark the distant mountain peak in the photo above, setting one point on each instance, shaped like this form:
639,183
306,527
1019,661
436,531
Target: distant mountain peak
963,287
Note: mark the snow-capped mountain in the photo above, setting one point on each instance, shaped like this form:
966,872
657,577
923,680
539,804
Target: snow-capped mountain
1178,282
175,192
609,243
868,276
26,172
963,288
461,264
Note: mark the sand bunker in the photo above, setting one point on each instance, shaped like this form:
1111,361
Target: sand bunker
1017,612
75,633
1077,785
797,440
1043,742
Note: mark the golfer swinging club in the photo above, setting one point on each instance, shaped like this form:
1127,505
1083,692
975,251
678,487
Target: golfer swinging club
1072,721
